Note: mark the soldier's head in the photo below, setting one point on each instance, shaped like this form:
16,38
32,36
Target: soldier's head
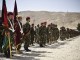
49,25
42,24
38,25
28,19
45,23
10,16
62,28
67,29
55,26
19,17
35,27
32,25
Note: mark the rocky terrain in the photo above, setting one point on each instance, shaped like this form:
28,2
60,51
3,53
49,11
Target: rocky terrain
67,19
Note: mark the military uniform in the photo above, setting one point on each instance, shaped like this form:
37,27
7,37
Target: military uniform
49,34
52,33
8,36
43,35
26,31
32,33
55,34
62,33
67,33
37,37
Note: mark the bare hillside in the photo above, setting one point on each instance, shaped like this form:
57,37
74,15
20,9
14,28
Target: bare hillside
67,19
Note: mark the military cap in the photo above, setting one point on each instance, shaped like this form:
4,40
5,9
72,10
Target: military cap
32,24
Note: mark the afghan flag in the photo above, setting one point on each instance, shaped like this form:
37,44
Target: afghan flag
4,14
5,22
17,29
15,11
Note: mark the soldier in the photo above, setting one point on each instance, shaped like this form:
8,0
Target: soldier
67,33
42,34
55,33
71,33
18,33
62,33
52,33
26,31
48,34
37,34
8,34
45,33
32,32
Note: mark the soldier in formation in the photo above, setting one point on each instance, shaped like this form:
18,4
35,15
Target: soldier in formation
26,31
32,33
8,36
42,34
37,37
62,33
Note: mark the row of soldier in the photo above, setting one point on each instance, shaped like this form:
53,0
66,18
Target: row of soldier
30,34
50,34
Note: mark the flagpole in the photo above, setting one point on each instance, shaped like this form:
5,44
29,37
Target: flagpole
15,14
9,44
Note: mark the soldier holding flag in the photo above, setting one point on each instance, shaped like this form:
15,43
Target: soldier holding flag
8,36
18,33
8,29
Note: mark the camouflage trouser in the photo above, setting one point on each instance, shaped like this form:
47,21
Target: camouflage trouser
62,38
56,38
32,39
26,42
43,39
37,38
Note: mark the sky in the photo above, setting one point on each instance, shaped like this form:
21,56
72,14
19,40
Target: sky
44,5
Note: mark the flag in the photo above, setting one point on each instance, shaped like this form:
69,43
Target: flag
4,14
5,22
15,11
17,29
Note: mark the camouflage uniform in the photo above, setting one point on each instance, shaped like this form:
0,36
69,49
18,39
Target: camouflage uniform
62,33
8,34
67,33
32,33
49,34
37,37
55,33
26,31
52,33
43,35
